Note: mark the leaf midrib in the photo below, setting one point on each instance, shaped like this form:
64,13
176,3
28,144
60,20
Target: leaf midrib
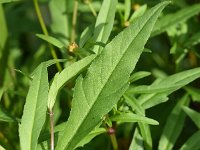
34,117
109,77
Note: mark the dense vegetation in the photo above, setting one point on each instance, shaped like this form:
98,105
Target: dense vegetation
101,74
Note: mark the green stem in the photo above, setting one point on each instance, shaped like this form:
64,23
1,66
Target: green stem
92,9
74,21
44,29
51,129
114,141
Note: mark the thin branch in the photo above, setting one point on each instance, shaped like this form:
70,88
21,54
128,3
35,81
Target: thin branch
44,29
74,21
51,129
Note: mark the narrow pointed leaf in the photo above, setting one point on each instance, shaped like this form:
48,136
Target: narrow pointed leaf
144,128
138,13
139,75
170,83
5,116
127,9
174,125
106,79
51,40
192,143
62,78
194,115
130,117
137,141
194,93
34,113
172,19
146,135
105,21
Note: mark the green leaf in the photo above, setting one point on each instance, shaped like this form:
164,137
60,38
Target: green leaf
158,91
2,148
144,128
168,84
138,13
194,115
51,40
5,116
139,75
86,35
137,141
150,100
127,9
174,125
64,76
134,104
106,79
104,22
146,135
3,29
90,136
8,1
130,117
1,92
194,40
192,143
34,113
172,19
194,93
60,24
45,144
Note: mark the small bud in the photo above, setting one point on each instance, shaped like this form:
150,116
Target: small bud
110,131
72,47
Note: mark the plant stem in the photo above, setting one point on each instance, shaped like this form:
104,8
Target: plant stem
51,129
74,21
44,29
114,141
92,9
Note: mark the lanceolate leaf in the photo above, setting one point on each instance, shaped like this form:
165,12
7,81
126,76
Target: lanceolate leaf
194,115
137,141
61,79
174,125
170,83
172,19
104,23
34,113
51,40
130,117
106,79
157,92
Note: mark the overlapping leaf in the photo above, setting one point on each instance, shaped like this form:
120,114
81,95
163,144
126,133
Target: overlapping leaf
174,125
172,19
34,113
106,79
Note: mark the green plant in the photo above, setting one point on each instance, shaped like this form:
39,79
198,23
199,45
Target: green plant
96,88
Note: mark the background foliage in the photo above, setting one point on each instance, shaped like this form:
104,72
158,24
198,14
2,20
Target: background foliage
157,89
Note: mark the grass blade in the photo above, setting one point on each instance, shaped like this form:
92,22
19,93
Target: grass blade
106,79
34,113
174,125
